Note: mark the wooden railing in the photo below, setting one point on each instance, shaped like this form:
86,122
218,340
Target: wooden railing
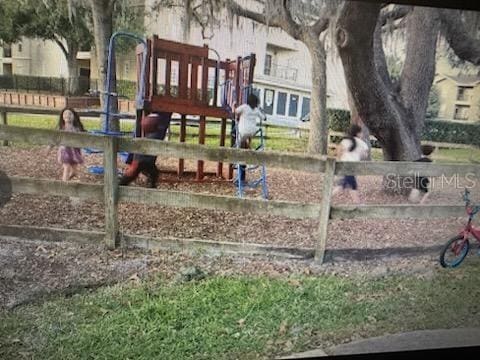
112,194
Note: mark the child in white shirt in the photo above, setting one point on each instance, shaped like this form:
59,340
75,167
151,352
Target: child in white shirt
248,114
351,148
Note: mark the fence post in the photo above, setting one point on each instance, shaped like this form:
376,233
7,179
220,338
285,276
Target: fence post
3,121
110,188
325,210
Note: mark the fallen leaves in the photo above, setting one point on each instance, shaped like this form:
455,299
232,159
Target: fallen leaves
135,278
282,330
294,282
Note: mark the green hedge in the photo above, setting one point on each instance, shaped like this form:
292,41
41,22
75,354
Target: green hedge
447,131
450,131
338,119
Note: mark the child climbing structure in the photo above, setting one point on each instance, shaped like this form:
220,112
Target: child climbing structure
181,78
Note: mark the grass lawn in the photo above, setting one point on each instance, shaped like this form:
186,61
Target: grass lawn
278,139
236,317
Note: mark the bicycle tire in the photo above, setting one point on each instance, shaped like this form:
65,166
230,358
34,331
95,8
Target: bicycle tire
458,258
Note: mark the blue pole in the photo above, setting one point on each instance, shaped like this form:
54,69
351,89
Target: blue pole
141,92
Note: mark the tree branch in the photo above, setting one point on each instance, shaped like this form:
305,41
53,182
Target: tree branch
252,15
357,53
379,56
419,68
283,20
289,25
398,12
465,46
60,44
320,26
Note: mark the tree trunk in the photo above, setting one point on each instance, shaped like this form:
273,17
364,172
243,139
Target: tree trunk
375,100
318,138
356,120
395,118
73,75
102,13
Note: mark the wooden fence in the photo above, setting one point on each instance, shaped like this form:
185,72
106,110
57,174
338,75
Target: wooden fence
127,110
112,194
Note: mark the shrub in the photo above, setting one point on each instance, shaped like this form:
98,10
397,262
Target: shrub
338,119
452,132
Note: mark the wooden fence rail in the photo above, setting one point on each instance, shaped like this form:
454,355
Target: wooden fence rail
111,194
194,121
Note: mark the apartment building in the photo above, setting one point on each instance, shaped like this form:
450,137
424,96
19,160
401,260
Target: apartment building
282,74
459,97
37,57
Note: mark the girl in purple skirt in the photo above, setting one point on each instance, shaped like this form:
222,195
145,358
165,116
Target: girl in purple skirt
69,157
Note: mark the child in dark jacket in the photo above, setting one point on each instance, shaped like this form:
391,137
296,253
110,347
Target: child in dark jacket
154,126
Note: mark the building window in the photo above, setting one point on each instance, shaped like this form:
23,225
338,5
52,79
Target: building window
461,112
305,106
269,96
7,51
281,103
19,47
268,64
464,93
85,72
293,106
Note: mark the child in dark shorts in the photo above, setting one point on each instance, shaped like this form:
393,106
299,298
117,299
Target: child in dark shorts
154,126
419,193
351,148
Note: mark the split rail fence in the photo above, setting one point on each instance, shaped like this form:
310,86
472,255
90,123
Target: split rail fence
112,194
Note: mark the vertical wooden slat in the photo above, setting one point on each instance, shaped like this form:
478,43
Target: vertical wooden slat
223,131
168,74
205,80
238,95
153,67
194,80
110,187
215,84
148,80
201,141
183,132
322,232
183,77
3,121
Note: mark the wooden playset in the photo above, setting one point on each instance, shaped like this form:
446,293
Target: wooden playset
183,79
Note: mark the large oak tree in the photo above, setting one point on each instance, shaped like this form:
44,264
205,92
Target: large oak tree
394,110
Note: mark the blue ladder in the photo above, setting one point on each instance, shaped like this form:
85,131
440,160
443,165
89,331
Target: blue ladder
262,180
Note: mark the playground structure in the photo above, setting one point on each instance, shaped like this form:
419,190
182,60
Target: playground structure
182,79
179,78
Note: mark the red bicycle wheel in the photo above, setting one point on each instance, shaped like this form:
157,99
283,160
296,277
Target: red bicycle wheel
454,252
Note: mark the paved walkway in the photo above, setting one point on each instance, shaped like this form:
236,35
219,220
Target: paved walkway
415,340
